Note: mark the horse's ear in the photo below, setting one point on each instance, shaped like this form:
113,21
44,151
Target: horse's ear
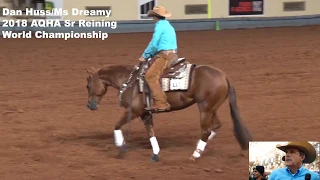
91,70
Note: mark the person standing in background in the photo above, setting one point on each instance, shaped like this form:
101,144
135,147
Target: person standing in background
258,173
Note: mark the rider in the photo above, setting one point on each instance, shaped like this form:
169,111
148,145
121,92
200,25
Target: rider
163,48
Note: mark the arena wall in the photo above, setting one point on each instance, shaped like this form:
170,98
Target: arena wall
4,3
194,9
121,9
130,10
271,8
186,9
276,8
190,14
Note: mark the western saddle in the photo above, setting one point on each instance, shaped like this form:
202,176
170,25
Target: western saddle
174,70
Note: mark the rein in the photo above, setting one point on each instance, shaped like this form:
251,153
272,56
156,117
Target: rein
124,87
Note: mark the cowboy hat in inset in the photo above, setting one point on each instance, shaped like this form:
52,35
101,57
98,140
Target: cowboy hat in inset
304,147
159,11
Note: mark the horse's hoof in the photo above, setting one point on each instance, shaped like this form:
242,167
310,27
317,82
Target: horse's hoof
123,149
155,158
120,155
122,152
193,159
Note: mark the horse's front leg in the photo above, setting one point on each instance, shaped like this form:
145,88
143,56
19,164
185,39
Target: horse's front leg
148,123
118,135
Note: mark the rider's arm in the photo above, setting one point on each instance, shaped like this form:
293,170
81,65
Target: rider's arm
151,50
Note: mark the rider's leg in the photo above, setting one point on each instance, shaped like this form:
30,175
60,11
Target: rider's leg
152,77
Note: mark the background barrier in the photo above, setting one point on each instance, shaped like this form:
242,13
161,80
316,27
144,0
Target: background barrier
190,9
202,14
187,25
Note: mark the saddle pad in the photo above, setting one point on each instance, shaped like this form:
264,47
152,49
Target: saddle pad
174,84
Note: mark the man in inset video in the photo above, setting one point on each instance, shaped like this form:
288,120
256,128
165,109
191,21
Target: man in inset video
297,153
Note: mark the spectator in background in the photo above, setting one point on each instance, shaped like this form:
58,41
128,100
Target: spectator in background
258,173
297,153
251,175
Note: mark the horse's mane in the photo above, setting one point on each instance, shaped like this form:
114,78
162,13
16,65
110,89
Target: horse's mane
115,69
115,74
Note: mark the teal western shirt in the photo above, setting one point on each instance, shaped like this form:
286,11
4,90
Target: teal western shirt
164,38
285,174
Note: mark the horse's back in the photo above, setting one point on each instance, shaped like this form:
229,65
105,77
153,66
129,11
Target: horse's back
210,71
208,78
209,84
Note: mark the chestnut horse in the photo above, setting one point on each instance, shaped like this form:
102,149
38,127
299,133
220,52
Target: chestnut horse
209,88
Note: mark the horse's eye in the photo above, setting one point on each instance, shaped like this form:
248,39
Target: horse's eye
87,86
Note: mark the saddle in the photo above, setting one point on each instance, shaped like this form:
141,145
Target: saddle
175,68
177,77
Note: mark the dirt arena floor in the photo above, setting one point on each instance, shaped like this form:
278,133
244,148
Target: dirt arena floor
47,133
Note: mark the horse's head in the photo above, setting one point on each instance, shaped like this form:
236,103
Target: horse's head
96,87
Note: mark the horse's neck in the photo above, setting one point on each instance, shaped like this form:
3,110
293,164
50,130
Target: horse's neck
115,75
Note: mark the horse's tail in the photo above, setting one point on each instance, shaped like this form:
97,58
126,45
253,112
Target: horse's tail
241,132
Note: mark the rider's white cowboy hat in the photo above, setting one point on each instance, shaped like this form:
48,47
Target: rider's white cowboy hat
303,146
159,11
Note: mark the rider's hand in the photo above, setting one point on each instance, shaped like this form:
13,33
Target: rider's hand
142,59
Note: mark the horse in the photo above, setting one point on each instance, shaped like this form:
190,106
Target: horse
185,84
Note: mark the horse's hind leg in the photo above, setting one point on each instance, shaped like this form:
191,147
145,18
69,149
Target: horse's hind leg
205,123
148,123
215,125
215,122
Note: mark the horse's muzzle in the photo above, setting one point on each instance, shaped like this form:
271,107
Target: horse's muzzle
92,105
